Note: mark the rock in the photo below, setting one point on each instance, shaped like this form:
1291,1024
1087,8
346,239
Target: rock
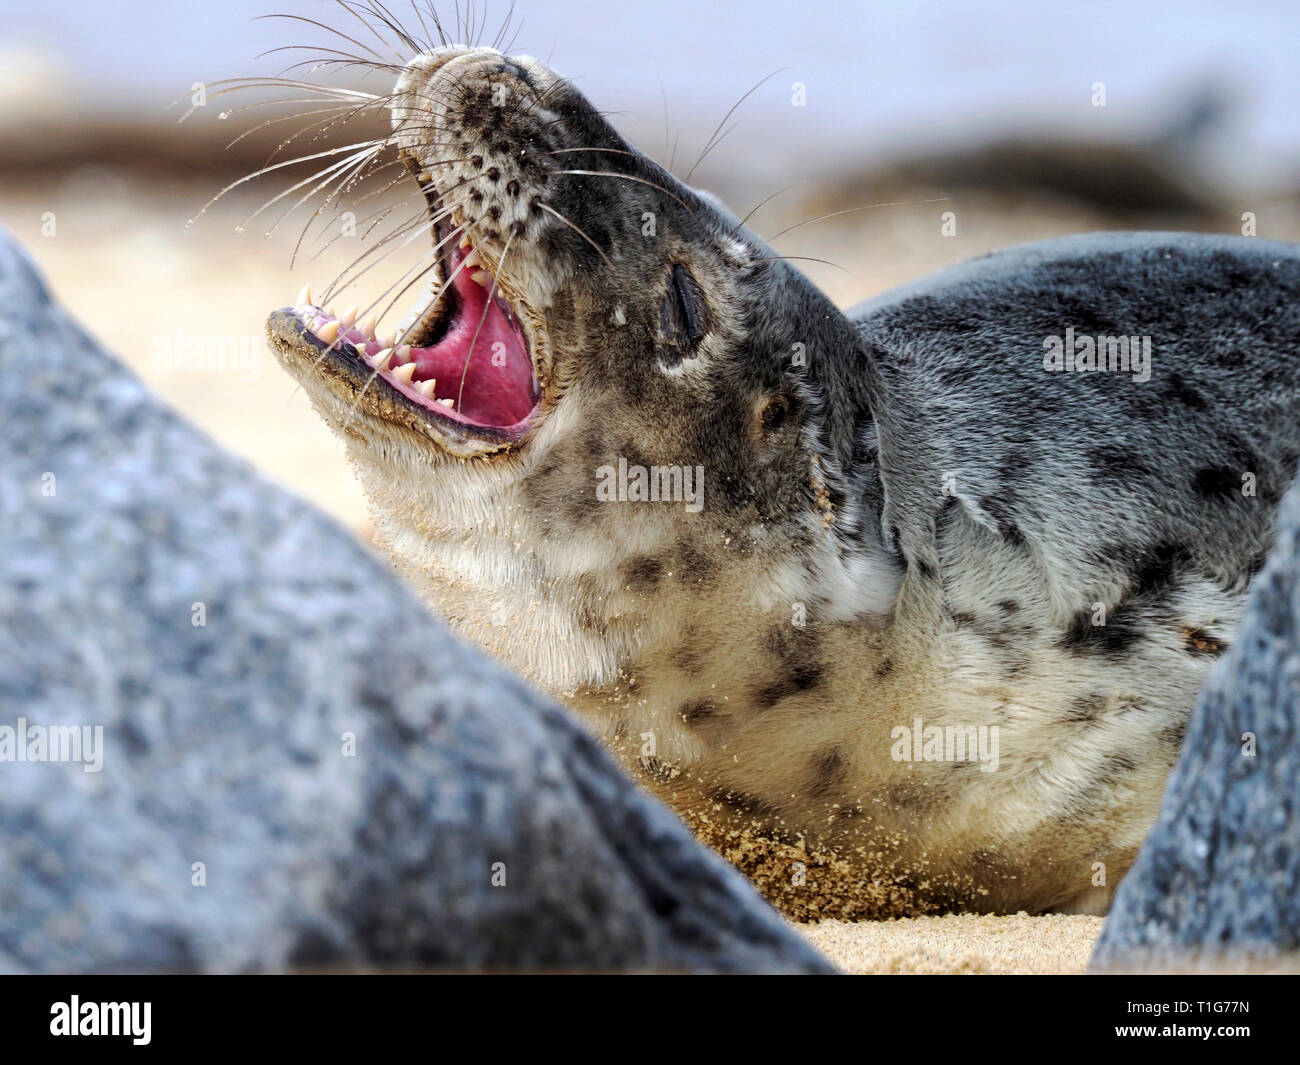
1217,883
233,644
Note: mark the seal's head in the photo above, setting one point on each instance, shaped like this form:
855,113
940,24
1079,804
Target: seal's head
596,333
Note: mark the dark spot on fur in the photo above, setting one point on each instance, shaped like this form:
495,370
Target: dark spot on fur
1198,642
643,573
1116,766
963,620
885,668
1179,391
1115,462
1086,709
828,769
1156,568
1115,639
769,695
693,565
807,676
1212,481
925,569
1173,735
738,800
689,658
1008,606
698,711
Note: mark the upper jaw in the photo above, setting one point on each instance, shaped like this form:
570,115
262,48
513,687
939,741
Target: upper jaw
468,371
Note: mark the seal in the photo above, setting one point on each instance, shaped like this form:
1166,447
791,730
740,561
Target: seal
903,609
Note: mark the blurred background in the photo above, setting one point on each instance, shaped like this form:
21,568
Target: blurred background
978,125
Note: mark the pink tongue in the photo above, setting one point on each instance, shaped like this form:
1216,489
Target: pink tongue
481,363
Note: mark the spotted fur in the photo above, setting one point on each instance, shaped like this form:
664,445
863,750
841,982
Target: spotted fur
906,516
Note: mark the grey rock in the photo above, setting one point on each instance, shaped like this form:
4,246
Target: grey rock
1217,883
223,743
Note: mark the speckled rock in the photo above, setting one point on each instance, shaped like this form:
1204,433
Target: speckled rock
300,767
1217,883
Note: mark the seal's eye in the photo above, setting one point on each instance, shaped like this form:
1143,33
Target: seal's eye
683,318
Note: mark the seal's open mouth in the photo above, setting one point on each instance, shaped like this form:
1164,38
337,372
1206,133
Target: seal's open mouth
464,362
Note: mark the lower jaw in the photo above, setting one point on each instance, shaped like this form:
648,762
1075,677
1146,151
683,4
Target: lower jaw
339,367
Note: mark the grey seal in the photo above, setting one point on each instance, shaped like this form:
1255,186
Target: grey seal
904,609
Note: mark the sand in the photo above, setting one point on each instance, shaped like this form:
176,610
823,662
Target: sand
958,943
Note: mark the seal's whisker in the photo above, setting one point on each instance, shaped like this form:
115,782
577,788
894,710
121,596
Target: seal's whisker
375,218
320,62
577,229
342,164
765,200
284,118
323,26
632,177
713,140
374,374
505,25
420,219
416,226
810,259
352,9
566,151
388,19
363,145
345,182
270,81
433,252
851,210
323,55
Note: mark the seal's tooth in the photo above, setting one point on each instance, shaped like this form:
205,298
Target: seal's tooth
380,360
367,326
360,345
304,297
472,260
404,353
449,403
425,388
347,318
329,332
464,240
481,277
405,373
389,341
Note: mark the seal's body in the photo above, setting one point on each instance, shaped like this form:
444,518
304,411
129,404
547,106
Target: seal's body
917,596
